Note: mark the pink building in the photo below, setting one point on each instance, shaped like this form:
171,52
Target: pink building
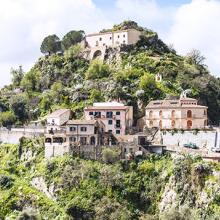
117,117
183,113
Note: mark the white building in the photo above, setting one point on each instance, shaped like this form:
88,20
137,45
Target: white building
184,113
117,117
111,39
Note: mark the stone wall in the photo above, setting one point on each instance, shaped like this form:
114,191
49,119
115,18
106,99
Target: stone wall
12,136
203,139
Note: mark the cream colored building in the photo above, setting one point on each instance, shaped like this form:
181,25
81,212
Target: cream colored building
117,117
75,133
111,39
184,113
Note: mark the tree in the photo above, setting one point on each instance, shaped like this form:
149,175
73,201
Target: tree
110,156
17,76
51,44
97,70
72,38
18,105
7,118
195,57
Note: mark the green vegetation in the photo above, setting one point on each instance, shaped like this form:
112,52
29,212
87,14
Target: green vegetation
71,81
110,189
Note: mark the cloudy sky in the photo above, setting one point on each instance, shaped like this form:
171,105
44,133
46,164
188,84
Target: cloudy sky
187,24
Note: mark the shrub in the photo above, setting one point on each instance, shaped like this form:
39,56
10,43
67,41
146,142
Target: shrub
5,181
146,167
110,156
97,70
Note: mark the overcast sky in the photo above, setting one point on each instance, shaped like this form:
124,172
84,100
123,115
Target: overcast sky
185,24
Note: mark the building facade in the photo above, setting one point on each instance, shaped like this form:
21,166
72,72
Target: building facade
117,117
84,132
72,136
184,113
111,39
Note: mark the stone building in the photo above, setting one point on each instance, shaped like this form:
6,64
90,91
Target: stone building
56,119
85,132
98,42
183,113
117,118
73,136
115,38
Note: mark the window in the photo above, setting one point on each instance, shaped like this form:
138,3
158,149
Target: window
118,123
151,123
189,124
151,114
92,140
110,122
72,128
110,131
110,38
123,35
109,114
118,113
160,124
90,113
118,131
173,123
205,112
100,39
97,115
73,139
173,114
189,114
118,36
205,123
97,43
83,140
83,129
123,41
160,113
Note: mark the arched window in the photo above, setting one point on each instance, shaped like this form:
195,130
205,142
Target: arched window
151,114
173,123
205,112
151,123
189,114
160,124
173,113
92,140
161,113
189,124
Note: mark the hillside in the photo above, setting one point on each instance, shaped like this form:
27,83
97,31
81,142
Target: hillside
128,73
69,187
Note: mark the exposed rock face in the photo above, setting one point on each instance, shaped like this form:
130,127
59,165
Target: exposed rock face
188,187
40,184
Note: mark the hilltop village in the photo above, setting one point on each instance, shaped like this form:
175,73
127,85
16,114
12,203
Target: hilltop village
112,125
175,124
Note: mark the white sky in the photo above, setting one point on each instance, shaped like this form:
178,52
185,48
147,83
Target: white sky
24,24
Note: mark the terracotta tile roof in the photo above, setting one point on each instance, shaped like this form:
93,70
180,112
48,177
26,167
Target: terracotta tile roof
81,122
58,113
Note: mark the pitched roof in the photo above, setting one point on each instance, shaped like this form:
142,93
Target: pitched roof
106,108
81,122
57,113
